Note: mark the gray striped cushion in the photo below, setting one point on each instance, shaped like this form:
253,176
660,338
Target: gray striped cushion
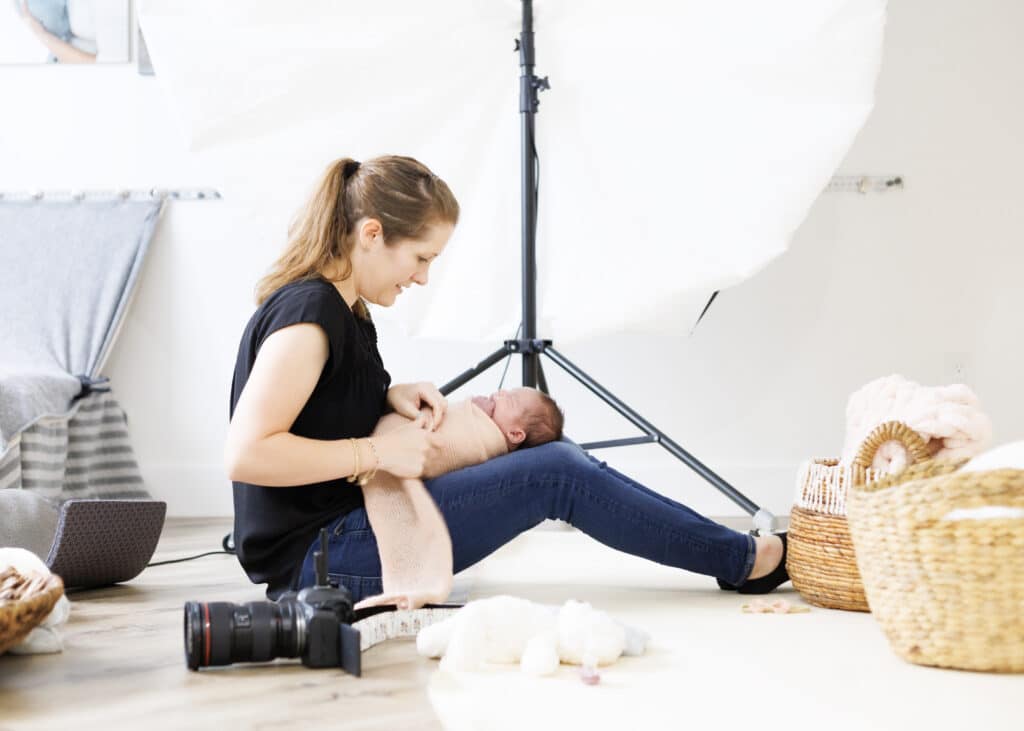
85,453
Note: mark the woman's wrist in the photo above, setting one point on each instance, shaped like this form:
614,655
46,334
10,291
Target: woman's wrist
354,459
365,460
374,462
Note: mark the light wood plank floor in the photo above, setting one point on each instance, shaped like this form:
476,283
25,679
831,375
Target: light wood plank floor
123,664
708,664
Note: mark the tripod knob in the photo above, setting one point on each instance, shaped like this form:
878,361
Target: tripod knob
541,83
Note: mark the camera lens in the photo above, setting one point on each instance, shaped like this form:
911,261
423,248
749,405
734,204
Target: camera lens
222,633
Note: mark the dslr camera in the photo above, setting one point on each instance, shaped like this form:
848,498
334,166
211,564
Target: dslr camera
314,624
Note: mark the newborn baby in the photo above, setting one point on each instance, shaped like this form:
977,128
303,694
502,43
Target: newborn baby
412,538
527,417
483,427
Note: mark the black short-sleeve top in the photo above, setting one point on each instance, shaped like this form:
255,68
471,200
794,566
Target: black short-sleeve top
274,526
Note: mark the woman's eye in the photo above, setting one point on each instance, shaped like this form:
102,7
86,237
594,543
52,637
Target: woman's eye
424,260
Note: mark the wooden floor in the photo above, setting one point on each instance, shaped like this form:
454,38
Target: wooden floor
709,665
123,664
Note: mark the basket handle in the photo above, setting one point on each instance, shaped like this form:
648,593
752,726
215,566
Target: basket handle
917,448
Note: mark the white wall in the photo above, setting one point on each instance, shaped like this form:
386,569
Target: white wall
922,281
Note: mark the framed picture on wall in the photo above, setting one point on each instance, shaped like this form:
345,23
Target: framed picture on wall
65,31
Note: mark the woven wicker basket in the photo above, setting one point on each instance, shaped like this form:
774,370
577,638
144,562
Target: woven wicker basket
820,557
947,593
25,600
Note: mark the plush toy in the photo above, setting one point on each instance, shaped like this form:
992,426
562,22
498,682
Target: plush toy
507,629
44,638
948,418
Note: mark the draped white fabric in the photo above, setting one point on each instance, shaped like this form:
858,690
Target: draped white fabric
681,143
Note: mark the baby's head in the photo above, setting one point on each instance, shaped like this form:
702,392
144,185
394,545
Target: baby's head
527,417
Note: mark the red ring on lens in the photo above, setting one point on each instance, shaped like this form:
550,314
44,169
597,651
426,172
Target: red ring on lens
206,634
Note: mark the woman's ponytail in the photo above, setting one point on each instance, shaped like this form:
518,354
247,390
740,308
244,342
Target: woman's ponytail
317,235
400,192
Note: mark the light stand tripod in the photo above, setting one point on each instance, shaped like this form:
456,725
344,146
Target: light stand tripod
529,346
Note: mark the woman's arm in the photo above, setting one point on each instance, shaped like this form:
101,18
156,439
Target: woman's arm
259,449
65,52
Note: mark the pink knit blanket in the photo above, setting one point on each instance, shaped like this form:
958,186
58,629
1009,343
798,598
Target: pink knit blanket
412,538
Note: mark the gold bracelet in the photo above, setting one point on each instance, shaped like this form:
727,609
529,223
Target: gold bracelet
355,458
376,456
365,478
369,474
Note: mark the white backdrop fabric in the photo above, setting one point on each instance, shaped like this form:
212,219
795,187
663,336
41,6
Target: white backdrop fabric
681,143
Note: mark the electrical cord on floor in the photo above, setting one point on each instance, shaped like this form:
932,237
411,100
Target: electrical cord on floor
190,558
228,544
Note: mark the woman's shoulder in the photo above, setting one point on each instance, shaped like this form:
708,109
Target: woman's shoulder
305,295
307,300
308,288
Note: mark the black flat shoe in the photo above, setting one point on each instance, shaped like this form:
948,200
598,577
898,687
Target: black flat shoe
768,582
725,585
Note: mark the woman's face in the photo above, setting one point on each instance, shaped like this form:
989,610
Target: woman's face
387,269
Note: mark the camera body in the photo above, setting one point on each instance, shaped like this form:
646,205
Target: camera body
330,641
314,624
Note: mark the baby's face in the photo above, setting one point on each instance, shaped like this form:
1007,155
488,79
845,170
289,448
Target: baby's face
509,408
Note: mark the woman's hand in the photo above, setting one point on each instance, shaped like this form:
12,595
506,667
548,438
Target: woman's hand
407,450
408,398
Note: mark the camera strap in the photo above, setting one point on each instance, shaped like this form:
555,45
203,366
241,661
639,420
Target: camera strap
379,624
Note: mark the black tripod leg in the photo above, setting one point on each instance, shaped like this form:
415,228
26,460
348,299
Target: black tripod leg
763,520
475,371
542,382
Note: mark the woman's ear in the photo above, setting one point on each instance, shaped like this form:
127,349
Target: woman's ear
369,230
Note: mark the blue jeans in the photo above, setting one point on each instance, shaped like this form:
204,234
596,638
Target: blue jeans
488,505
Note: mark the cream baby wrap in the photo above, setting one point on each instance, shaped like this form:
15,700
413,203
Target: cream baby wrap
412,538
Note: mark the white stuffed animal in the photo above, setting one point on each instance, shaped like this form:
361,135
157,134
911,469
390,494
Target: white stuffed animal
507,629
43,638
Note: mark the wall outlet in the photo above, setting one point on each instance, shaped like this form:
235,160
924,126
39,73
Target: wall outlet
959,367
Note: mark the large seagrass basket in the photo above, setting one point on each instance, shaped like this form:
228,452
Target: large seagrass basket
941,553
820,558
25,600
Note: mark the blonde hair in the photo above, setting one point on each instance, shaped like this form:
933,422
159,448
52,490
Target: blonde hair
400,192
